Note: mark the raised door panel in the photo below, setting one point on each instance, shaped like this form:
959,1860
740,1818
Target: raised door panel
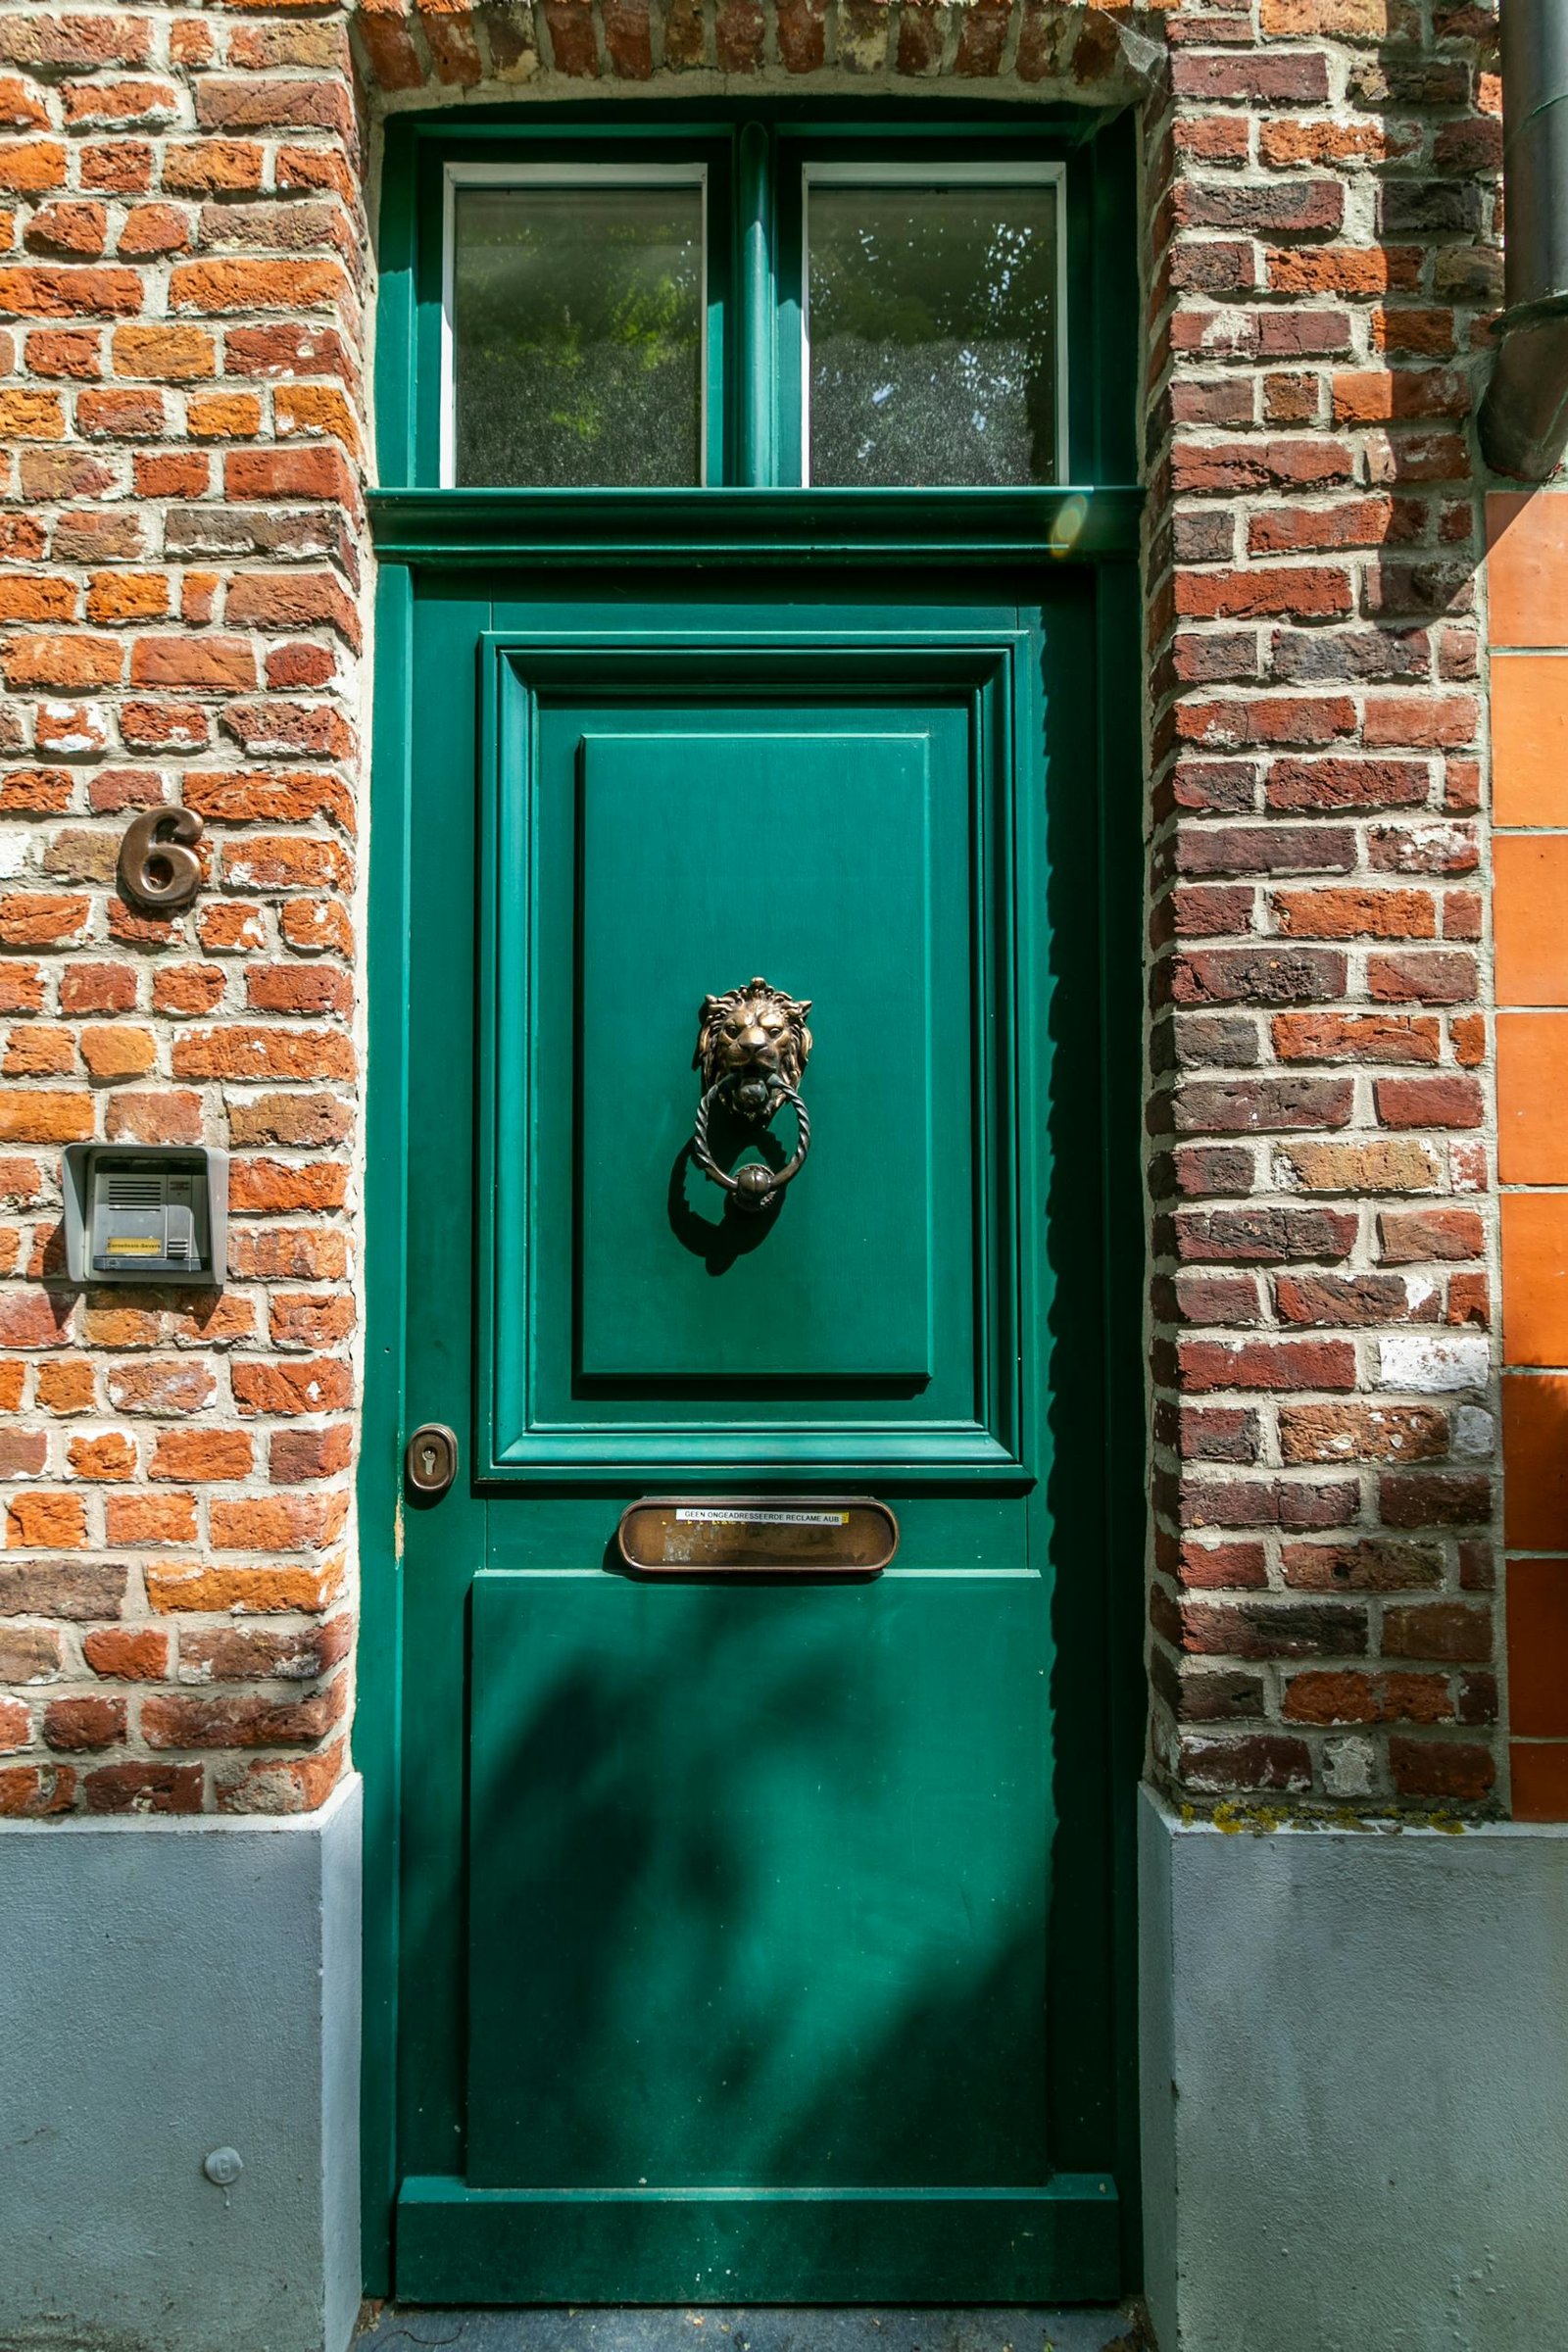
807,856
669,820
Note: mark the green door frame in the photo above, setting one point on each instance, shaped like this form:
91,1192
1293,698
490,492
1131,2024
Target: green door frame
1093,527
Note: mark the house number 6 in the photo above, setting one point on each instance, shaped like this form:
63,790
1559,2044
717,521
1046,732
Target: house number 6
159,868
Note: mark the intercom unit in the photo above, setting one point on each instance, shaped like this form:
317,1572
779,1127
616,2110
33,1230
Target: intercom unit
146,1213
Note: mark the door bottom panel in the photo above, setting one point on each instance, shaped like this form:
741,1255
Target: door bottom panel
457,2244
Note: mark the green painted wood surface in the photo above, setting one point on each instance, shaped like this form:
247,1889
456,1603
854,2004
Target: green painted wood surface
874,809
865,1911
759,1880
859,530
1047,571
986,2246
877,748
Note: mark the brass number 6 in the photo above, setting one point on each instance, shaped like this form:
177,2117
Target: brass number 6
158,864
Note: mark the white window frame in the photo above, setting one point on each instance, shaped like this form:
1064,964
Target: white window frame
692,174
935,173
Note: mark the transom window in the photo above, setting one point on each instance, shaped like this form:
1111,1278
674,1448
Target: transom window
764,304
577,335
933,325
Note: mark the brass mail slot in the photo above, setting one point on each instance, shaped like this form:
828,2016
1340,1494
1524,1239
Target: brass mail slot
778,1534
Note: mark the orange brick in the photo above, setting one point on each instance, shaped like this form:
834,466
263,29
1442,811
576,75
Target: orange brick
316,409
1535,1456
1527,568
202,1454
38,1049
40,1116
32,415
1532,1071
277,1522
111,1456
168,354
121,596
1535,1279
223,416
68,1385
151,1518
118,1049
1530,739
1530,901
216,288
36,1521
304,1586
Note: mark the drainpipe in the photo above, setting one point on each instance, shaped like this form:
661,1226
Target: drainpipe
1523,418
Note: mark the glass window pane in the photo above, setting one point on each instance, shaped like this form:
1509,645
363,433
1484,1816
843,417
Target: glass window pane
932,325
577,335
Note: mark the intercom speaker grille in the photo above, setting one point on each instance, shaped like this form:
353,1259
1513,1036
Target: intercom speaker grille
135,1192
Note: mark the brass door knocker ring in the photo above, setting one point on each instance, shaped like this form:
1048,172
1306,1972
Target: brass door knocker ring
753,1045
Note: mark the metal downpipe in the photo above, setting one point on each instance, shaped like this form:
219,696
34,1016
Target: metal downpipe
1524,417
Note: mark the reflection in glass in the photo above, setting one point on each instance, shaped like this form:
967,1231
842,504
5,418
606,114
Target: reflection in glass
932,321
577,335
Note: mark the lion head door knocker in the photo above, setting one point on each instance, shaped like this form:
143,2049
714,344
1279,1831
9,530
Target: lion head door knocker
753,1046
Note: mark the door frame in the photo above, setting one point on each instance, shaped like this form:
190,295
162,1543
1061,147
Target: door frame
1091,529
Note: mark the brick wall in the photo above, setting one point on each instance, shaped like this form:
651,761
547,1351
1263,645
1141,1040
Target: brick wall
182,285
1325,262
183,292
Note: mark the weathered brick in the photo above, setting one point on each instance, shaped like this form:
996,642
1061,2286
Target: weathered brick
127,1654
1267,1364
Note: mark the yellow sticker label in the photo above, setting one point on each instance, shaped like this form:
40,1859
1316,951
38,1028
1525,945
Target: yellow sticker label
132,1245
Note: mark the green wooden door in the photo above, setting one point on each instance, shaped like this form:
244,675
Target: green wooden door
755,1932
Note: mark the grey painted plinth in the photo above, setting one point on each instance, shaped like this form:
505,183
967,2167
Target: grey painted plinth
169,1988
1355,2055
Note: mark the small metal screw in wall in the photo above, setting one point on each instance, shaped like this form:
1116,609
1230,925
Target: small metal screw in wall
159,869
223,2167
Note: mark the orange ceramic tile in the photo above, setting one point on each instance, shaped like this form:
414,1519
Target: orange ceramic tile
1530,739
1526,570
1537,1648
1539,1780
1535,1280
1535,1461
1530,906
1532,1095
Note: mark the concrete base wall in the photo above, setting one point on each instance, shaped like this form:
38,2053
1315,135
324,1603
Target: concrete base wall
169,1988
1354,2052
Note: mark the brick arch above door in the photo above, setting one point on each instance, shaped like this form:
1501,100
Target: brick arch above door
1041,45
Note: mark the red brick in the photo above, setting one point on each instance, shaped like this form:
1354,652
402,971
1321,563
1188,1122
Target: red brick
140,1788
127,1654
1407,1236
79,1725
1267,1364
211,662
1438,1101
181,1720
1441,1769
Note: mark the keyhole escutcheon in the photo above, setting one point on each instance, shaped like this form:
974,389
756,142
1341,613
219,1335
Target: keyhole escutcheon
430,1459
